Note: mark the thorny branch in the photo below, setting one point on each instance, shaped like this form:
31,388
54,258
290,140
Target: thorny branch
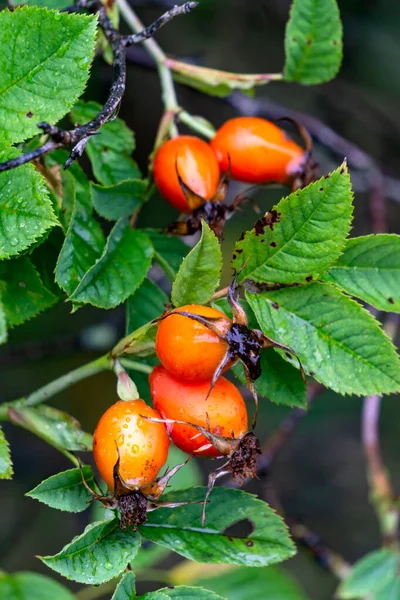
80,135
381,491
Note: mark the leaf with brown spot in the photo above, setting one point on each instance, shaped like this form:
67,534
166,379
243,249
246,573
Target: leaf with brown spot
305,234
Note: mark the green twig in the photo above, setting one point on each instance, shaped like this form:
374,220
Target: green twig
169,98
135,366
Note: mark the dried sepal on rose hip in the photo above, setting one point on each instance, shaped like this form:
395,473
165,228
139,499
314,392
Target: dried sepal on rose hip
207,424
213,211
240,342
189,159
242,454
129,451
187,174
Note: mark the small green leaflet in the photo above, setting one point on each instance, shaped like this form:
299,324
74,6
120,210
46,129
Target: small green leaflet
169,251
369,268
22,291
301,237
65,491
126,588
109,151
214,82
54,426
391,591
44,66
146,304
180,529
336,339
32,586
119,271
120,200
181,592
313,41
256,584
99,554
6,468
26,212
84,241
372,574
200,272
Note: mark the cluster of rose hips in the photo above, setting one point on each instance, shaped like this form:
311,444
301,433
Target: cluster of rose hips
196,408
187,171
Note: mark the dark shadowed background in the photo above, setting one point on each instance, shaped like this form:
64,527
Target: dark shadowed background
320,475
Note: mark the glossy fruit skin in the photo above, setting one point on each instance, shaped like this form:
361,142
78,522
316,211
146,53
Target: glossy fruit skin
258,150
186,348
187,401
143,446
197,167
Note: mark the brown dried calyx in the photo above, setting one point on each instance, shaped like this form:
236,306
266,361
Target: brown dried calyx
214,212
308,169
242,454
135,502
244,344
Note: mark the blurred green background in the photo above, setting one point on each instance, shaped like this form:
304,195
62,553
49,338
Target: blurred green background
320,475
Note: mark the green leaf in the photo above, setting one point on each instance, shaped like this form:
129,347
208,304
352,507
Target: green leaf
338,341
32,586
257,584
22,291
369,268
84,241
99,554
215,82
25,208
44,67
370,574
65,491
54,426
109,151
280,382
188,476
126,588
120,269
147,556
181,592
169,251
6,468
180,529
301,237
120,200
313,41
391,591
146,304
200,272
